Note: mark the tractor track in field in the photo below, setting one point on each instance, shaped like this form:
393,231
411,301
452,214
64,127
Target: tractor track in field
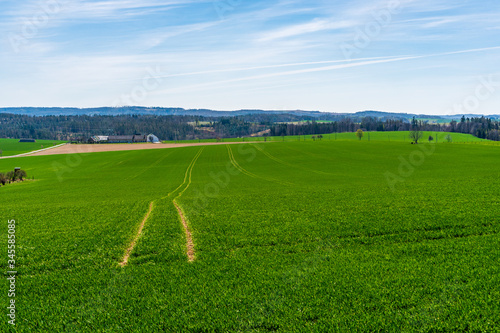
190,252
289,164
187,175
124,261
149,167
248,173
189,237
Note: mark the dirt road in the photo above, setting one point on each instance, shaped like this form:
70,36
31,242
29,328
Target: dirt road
96,148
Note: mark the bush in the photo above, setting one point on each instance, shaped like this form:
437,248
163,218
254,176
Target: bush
20,175
12,176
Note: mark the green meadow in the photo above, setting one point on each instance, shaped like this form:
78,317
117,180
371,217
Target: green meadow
296,236
368,136
11,147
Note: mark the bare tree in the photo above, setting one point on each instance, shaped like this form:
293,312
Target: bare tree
415,130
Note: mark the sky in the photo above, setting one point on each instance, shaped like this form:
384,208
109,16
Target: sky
414,56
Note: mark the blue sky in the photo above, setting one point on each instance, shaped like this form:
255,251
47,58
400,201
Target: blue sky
417,56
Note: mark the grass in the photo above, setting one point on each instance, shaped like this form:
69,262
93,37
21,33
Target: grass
368,136
305,237
11,147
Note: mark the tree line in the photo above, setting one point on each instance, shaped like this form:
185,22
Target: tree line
82,127
484,128
181,127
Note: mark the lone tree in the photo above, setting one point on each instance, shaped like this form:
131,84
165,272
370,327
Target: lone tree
360,133
448,138
431,138
415,130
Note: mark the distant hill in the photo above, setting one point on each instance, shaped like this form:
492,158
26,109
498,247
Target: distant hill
109,111
131,110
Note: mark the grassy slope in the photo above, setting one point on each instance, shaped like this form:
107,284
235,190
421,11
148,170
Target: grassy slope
310,239
12,147
372,136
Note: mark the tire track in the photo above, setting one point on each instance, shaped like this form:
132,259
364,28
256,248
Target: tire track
187,174
248,173
129,250
290,164
150,166
189,237
190,252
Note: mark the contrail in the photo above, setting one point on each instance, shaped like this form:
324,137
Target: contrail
294,72
328,68
256,67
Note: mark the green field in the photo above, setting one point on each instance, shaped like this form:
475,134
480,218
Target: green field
12,147
368,136
326,236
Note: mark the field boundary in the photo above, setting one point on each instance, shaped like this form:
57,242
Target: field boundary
35,151
68,149
129,250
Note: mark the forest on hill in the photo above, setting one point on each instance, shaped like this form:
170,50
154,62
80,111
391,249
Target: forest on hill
189,127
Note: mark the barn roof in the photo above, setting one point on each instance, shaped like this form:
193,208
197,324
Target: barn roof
121,137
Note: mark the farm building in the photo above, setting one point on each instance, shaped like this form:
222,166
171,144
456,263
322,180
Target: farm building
98,139
153,138
127,138
124,138
27,140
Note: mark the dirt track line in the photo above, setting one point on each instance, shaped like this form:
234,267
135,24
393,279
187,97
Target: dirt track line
124,261
150,166
186,173
248,173
191,172
98,148
189,236
237,166
289,164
